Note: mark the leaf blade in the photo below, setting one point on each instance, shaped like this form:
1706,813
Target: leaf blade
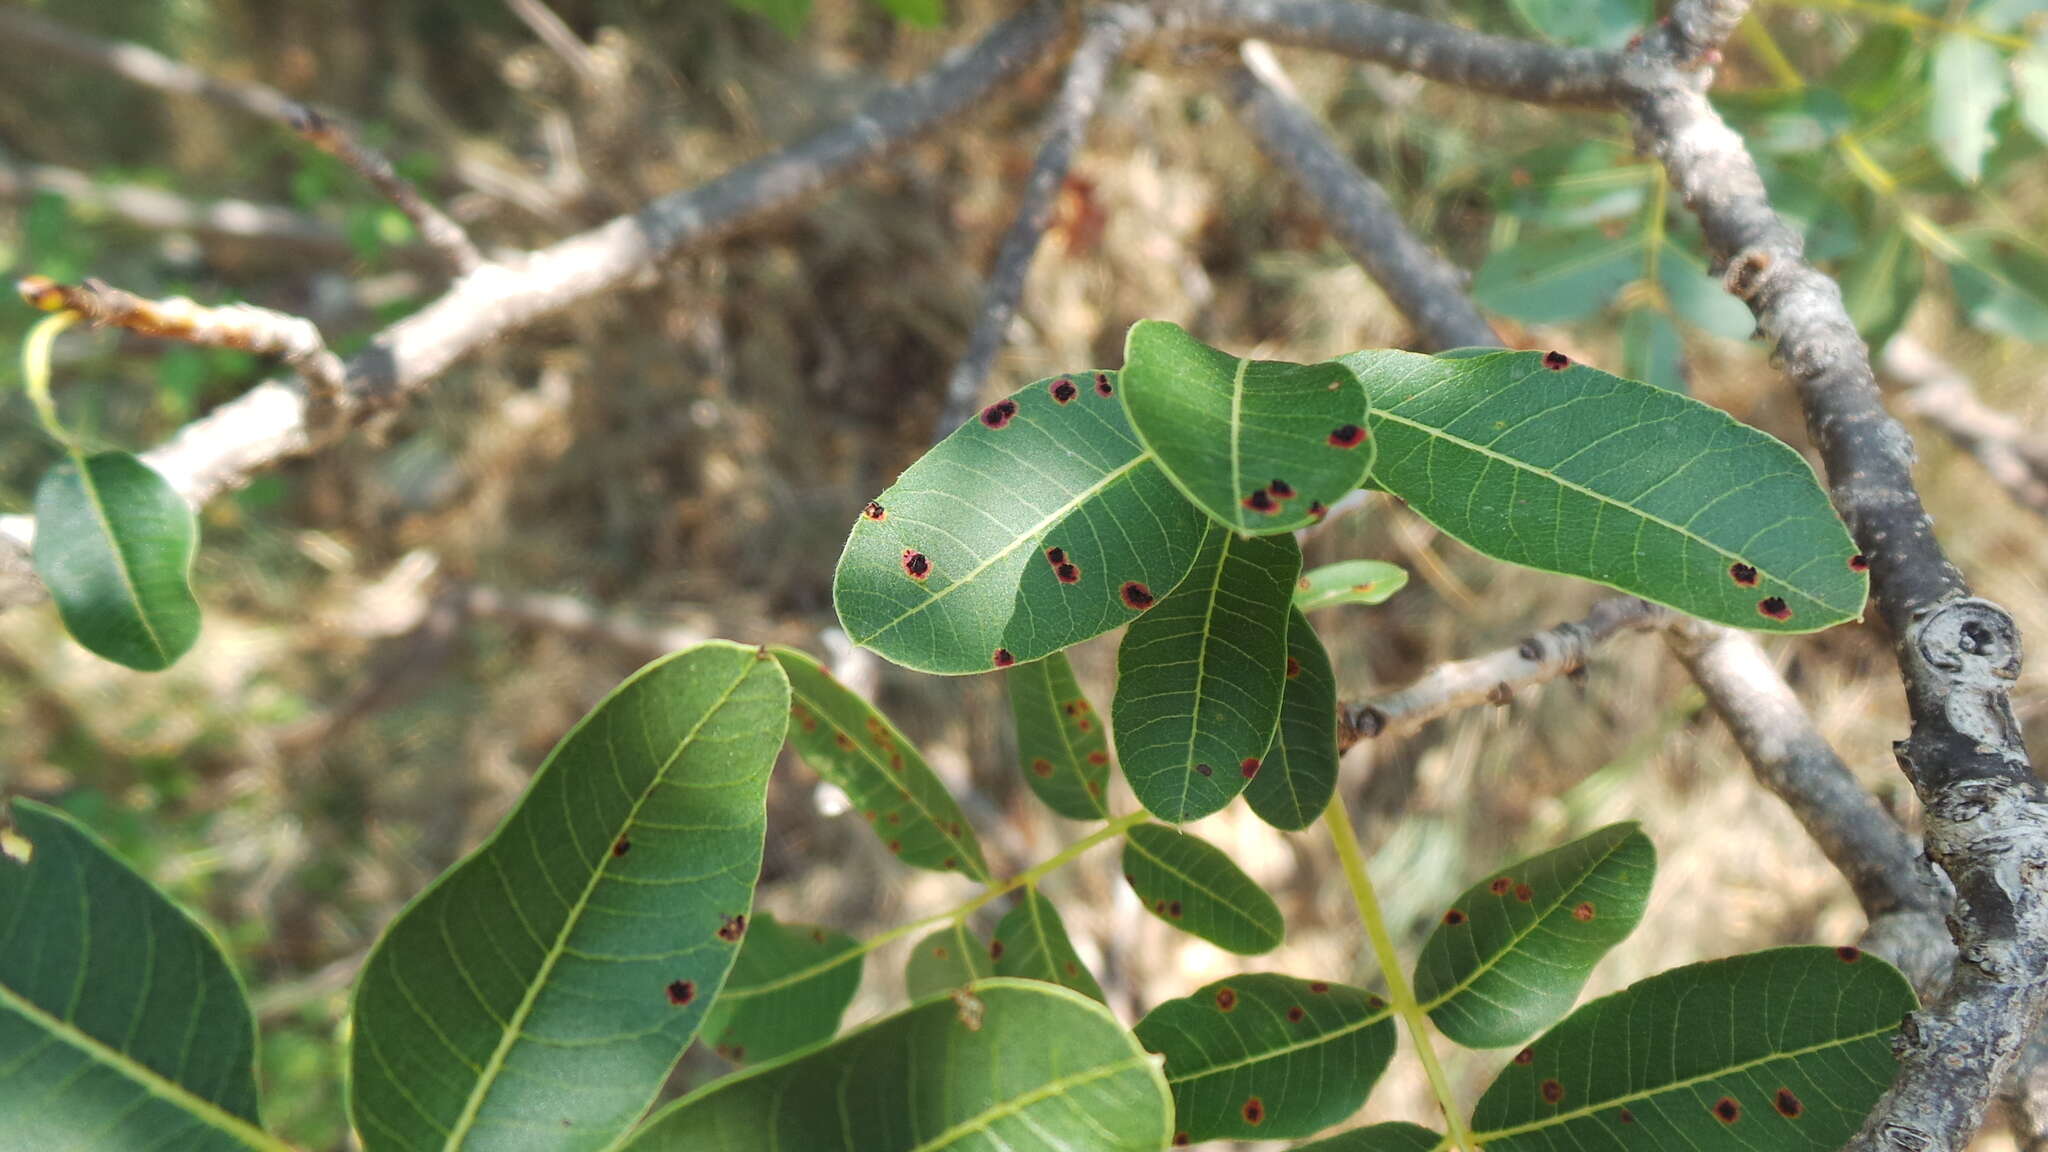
1968,82
1060,740
1192,885
1298,774
787,990
953,957
1348,582
1032,944
114,544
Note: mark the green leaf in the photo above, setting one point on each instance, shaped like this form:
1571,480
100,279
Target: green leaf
1574,185
1513,951
121,1025
1031,944
787,991
2030,84
845,740
1262,446
1060,740
582,944
1699,298
1969,87
1199,676
1583,473
923,13
1192,885
114,545
1349,582
1005,1064
2002,284
953,957
1393,1136
1787,1048
1298,774
1874,75
1584,23
1651,350
1033,489
1797,122
1268,1057
788,15
1556,277
1880,282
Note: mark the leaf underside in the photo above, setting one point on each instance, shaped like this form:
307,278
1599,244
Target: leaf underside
953,957
114,545
1031,944
1298,774
1060,739
788,988
1192,885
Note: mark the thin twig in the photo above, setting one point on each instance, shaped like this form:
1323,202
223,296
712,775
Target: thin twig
1110,33
1935,391
49,41
338,140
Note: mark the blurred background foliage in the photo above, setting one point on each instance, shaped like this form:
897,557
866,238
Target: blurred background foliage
399,629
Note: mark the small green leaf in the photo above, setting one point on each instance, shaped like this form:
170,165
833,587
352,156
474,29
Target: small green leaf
1880,282
1003,1064
1262,446
1513,951
1199,676
1969,87
121,1025
1036,525
114,545
1060,739
581,945
1298,774
1192,885
847,741
2001,281
1031,944
1575,471
2030,84
1269,1057
1651,349
1584,23
1393,1136
787,991
1556,277
1349,582
788,15
953,957
923,13
1785,1048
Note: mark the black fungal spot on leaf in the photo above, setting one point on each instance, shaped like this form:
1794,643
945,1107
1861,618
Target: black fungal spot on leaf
1742,574
621,846
1063,390
1297,1013
1583,912
1002,658
733,928
1552,1091
1727,1110
1774,607
1787,1103
1523,893
1500,886
1173,909
1280,490
1859,563
1181,1140
1319,987
1525,1056
1226,998
1254,1111
874,511
1136,596
681,992
997,415
1205,770
1249,766
995,949
1316,511
915,565
1102,385
1556,361
1346,436
1261,502
1055,556
1293,668
1848,954
1454,917
1068,573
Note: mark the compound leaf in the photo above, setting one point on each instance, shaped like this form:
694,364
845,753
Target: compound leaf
1513,951
848,741
787,991
1555,466
121,1025
1034,526
1000,1064
114,545
953,957
1192,885
1349,582
582,944
1262,446
1031,944
1298,773
1199,677
1787,1048
1268,1057
1060,739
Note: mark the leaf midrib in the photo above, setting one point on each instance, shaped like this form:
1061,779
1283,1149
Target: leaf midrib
1017,1104
1287,1050
1187,783
515,1027
1221,900
99,511
1237,433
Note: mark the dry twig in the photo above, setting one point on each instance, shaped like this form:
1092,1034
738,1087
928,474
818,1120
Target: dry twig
338,140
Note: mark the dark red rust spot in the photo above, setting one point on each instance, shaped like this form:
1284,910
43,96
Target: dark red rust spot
1627,1117
1727,1110
1345,436
1181,1140
733,928
1098,757
1454,917
1068,573
896,762
1254,1110
1523,892
621,846
1002,658
1260,502
843,740
1500,886
1085,724
1055,556
1787,1103
1556,361
1859,563
1280,490
1552,1091
1316,511
1319,987
1293,668
1774,607
939,951
1583,912
995,949
1372,1002
915,565
948,864
1226,998
1297,1013
1095,789
895,846
1136,596
1041,767
1102,386
874,511
1742,574
1173,909
681,992
1848,954
997,415
1250,767
1526,1056
1063,390
1205,770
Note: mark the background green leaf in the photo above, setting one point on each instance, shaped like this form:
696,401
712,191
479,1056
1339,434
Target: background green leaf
847,741
1612,480
582,944
1189,883
1031,944
1880,282
1968,80
1698,297
787,990
788,15
121,1025
1587,23
1299,772
923,13
1020,1064
1652,350
953,957
114,545
1269,1057
1199,676
1554,278
1390,1137
1786,1048
1060,739
1263,446
1511,954
2002,283
1348,582
982,509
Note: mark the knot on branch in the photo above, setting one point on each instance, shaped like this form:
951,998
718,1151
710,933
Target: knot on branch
1902,1138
